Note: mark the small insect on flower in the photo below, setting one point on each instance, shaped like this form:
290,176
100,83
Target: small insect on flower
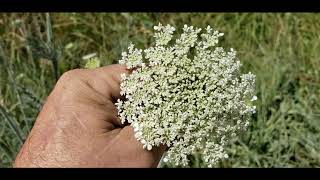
188,94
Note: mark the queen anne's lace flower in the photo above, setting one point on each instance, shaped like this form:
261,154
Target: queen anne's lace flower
188,95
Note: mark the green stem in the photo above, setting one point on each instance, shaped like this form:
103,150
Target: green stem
160,164
49,28
49,43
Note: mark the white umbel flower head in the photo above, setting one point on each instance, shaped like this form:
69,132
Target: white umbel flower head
188,95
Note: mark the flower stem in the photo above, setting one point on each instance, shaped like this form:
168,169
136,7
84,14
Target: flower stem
160,164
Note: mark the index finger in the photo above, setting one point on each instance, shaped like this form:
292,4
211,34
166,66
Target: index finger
106,80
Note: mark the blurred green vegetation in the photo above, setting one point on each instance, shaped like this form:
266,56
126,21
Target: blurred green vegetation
282,49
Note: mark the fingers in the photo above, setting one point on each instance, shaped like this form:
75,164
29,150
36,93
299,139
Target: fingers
106,80
93,91
112,77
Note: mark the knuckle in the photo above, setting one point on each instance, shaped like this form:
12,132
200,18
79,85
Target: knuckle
70,85
70,76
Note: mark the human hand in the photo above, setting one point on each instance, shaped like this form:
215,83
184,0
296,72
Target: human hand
78,126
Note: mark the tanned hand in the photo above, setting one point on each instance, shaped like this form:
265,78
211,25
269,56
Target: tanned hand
78,126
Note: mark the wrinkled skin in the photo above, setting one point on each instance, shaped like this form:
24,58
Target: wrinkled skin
78,126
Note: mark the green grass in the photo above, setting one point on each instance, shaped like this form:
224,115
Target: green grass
282,49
